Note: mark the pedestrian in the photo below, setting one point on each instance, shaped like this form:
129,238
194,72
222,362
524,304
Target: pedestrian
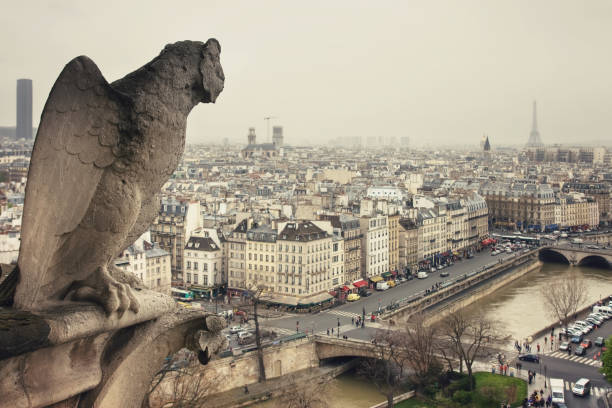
332,331
530,376
352,320
545,340
246,389
328,331
534,375
538,346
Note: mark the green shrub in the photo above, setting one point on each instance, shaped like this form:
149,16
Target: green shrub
462,384
462,397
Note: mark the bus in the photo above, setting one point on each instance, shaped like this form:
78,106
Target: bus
182,295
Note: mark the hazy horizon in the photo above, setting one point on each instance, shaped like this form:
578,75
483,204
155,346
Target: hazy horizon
441,73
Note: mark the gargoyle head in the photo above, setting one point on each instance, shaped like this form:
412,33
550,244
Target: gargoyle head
211,70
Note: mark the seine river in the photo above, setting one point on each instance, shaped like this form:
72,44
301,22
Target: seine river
518,307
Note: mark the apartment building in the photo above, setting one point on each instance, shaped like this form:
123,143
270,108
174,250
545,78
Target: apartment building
176,221
394,231
478,218
236,255
374,245
304,260
520,205
349,228
261,257
432,239
576,210
148,262
203,259
408,244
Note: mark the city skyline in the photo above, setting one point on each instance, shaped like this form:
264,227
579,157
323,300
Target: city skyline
439,74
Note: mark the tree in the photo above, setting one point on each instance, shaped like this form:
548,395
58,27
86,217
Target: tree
420,348
606,360
386,368
563,297
256,293
469,336
181,383
309,395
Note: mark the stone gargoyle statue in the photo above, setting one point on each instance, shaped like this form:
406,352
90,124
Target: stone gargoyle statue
72,330
102,153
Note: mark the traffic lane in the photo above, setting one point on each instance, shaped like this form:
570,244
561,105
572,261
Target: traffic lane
409,288
567,370
605,330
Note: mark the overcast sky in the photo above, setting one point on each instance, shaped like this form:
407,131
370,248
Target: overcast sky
439,72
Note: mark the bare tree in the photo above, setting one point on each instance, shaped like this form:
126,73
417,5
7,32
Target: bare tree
386,368
256,293
420,348
181,383
308,395
469,336
563,297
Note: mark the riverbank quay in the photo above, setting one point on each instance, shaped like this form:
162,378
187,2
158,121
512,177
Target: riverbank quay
466,290
276,387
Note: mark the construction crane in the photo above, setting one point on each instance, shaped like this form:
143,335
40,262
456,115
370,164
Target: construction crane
267,119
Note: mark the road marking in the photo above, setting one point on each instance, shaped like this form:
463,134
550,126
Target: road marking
567,385
342,313
576,359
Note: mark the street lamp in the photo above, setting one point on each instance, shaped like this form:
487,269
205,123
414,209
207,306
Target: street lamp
338,327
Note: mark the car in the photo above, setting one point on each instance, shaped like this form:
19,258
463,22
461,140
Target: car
444,274
576,339
579,351
586,343
564,346
593,320
529,357
582,387
391,283
244,334
422,275
599,341
365,293
353,297
235,329
432,269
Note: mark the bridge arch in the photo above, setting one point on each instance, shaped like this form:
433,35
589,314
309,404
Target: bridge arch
597,261
550,255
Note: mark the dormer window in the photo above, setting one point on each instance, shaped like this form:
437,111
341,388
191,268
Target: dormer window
197,245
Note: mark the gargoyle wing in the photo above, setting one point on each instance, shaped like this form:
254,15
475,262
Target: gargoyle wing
77,136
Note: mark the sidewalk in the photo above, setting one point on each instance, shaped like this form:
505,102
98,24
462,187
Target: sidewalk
538,384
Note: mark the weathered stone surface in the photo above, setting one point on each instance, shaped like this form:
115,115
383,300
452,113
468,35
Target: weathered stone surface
21,332
102,153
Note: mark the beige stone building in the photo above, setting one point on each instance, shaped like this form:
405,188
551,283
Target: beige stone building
348,227
408,244
304,260
576,210
478,218
394,231
374,245
203,262
261,257
236,258
151,264
520,205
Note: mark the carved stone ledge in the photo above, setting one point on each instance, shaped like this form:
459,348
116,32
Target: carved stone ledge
76,356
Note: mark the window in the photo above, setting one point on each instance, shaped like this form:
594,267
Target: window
195,278
195,266
188,278
205,266
205,280
188,264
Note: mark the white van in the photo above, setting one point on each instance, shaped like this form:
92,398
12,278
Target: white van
422,275
557,389
382,286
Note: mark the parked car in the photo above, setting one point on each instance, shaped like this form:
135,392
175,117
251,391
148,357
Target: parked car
582,387
599,341
586,343
235,329
364,292
576,339
579,351
391,283
444,274
440,267
422,275
564,346
529,357
353,297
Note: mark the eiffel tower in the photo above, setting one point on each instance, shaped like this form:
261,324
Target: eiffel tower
534,135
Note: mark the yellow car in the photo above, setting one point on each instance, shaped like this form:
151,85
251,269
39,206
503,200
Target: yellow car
353,297
391,283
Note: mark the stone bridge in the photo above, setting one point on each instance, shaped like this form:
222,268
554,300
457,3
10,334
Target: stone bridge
329,347
577,256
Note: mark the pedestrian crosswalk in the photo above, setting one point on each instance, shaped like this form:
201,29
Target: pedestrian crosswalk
575,359
597,391
344,314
